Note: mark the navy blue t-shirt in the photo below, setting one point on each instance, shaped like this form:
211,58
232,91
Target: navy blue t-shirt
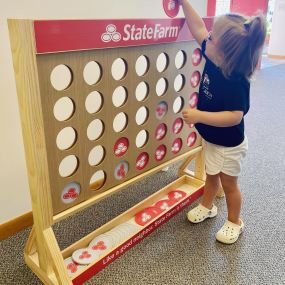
218,93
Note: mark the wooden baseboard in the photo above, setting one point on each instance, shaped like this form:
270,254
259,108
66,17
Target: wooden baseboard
276,56
16,225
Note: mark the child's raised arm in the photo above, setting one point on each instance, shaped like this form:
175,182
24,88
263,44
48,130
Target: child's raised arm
194,21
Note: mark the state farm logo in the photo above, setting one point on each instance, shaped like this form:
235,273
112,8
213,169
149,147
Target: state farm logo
143,32
111,34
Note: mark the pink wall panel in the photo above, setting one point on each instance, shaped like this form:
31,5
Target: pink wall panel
249,7
211,8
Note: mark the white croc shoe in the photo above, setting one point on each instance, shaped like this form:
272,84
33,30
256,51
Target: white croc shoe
230,232
201,213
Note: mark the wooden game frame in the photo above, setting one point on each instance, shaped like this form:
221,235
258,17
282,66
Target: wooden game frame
42,253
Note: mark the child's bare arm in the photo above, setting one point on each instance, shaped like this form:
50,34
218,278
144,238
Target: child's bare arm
215,119
194,21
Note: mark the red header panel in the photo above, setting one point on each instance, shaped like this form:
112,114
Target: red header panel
69,35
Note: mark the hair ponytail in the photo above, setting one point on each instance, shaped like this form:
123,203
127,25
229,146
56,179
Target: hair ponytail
256,37
256,28
240,41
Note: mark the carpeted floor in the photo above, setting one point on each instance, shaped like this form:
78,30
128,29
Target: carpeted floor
180,253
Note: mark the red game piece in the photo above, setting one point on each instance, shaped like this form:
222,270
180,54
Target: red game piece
176,195
146,215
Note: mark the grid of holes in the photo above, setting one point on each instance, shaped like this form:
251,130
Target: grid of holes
61,79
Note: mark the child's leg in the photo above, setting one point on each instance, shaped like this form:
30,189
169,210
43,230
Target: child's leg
233,227
233,197
210,190
206,209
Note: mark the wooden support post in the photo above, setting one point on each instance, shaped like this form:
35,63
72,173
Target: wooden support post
25,68
56,257
199,171
31,246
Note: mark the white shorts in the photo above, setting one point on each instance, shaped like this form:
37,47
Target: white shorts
224,159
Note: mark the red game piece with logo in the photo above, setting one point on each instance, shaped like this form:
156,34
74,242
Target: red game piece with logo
171,7
146,215
121,146
191,139
176,145
177,126
142,161
176,195
165,204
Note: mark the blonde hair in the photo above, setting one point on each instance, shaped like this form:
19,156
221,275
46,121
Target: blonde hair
240,41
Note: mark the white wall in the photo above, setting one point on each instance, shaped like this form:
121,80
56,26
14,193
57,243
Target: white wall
14,192
277,37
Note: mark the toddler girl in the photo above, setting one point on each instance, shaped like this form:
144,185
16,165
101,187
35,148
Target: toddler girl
232,51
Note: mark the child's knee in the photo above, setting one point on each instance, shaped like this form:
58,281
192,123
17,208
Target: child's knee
229,183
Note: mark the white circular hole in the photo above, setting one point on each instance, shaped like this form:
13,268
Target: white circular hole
179,82
141,91
119,97
161,86
178,105
95,130
92,72
120,122
142,65
68,166
119,69
61,77
97,180
93,102
96,155
180,59
141,138
141,115
63,109
66,138
162,62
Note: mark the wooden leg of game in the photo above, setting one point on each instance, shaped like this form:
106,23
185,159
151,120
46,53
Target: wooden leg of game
56,257
32,262
183,169
199,170
31,246
54,271
32,259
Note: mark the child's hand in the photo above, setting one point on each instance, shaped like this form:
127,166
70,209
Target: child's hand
191,116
